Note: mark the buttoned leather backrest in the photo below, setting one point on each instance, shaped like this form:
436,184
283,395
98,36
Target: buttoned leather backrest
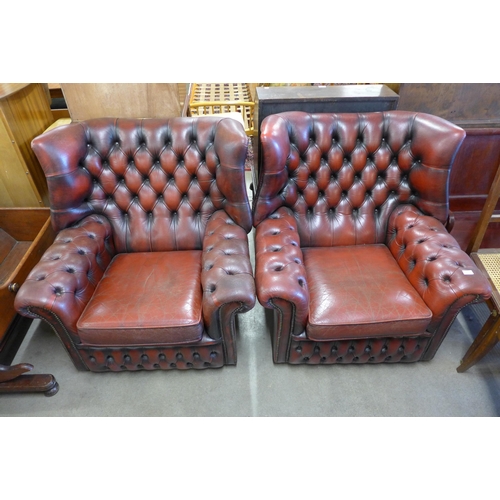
343,174
157,181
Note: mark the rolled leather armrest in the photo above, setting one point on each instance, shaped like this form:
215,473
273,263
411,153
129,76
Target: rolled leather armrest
226,276
433,262
280,271
61,284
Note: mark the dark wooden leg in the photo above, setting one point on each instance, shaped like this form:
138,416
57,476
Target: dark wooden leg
13,338
484,342
13,378
31,383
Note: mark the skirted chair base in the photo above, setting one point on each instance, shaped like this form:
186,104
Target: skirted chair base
379,350
208,354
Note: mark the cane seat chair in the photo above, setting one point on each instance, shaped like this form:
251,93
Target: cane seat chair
488,261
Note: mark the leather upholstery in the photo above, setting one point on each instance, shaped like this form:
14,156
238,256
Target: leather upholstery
156,181
167,196
336,181
157,305
360,292
342,175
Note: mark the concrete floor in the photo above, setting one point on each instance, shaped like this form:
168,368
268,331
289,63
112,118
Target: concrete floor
257,387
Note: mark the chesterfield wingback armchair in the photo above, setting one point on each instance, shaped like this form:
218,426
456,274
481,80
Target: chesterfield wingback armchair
352,252
150,264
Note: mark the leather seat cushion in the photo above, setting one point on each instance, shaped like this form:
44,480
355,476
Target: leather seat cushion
360,291
146,298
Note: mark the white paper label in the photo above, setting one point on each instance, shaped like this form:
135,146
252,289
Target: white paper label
467,272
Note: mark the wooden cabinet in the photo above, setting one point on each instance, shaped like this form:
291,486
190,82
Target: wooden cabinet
24,114
121,100
25,234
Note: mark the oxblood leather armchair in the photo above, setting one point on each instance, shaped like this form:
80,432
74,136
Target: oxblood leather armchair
151,263
352,254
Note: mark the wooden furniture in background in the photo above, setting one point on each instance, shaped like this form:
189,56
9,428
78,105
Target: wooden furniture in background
476,108
121,100
58,104
24,114
25,234
217,98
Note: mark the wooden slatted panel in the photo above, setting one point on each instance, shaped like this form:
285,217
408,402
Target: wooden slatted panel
216,98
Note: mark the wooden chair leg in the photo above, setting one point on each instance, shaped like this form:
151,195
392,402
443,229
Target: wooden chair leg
484,342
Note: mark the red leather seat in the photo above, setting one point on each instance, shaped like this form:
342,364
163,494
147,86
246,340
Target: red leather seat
352,253
151,264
